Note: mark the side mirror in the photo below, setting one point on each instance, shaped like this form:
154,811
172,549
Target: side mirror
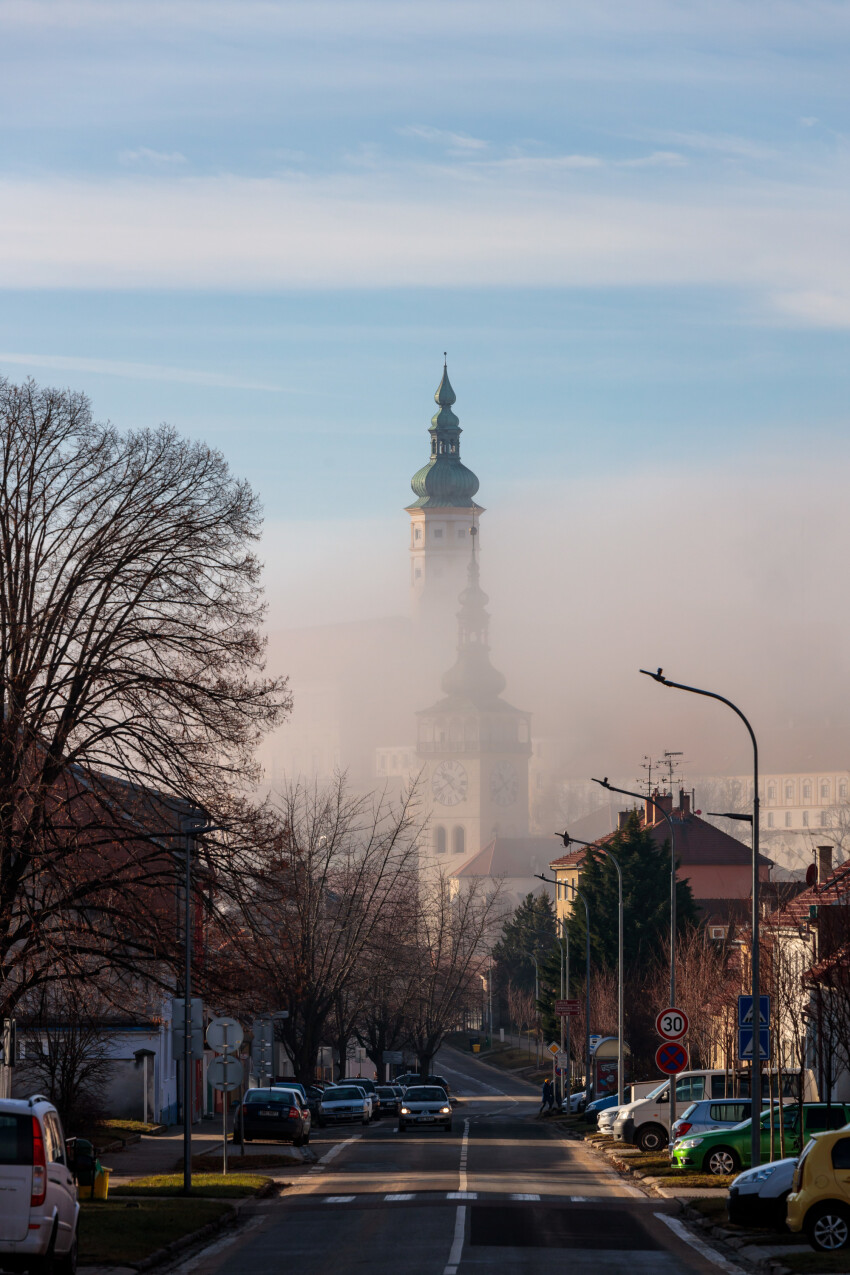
665,1096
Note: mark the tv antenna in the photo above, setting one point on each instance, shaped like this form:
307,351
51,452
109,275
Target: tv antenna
669,764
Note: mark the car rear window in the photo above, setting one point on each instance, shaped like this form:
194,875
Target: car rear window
15,1139
277,1098
688,1110
384,1091
425,1094
730,1112
347,1094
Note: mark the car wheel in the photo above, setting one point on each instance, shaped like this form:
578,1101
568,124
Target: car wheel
722,1160
652,1138
828,1226
67,1263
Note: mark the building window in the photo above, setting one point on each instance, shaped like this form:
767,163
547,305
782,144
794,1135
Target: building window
461,534
824,791
440,839
769,824
823,819
787,818
459,841
771,792
807,792
789,792
805,819
418,574
842,790
438,535
417,534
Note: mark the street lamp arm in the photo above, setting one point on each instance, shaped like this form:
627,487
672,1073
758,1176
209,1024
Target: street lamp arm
696,690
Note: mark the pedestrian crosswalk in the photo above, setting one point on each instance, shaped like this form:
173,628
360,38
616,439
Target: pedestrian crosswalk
407,1197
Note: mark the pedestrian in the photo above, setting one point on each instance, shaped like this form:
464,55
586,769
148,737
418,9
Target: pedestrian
547,1097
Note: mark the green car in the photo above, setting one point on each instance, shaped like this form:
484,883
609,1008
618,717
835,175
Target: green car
728,1150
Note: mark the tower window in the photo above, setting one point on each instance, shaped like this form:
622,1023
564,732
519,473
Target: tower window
459,841
438,533
439,840
417,535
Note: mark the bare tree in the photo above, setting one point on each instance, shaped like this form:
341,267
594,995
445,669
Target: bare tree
331,869
66,1053
130,660
455,929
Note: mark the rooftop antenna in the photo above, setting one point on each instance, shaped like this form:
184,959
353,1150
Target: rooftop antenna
646,765
667,763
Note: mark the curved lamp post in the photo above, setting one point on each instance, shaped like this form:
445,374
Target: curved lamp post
568,841
669,818
755,1095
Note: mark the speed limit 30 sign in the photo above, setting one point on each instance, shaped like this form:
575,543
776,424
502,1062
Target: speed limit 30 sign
672,1024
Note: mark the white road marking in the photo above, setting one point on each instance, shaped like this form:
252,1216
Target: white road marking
579,1199
703,1249
525,1197
462,1195
338,1199
457,1242
464,1155
337,1147
396,1198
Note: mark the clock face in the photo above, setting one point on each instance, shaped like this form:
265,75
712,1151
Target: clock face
504,784
449,783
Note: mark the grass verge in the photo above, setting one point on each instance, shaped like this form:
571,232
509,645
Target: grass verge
112,1234
236,1163
714,1209
235,1186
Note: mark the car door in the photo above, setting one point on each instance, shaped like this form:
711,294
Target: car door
60,1179
841,1165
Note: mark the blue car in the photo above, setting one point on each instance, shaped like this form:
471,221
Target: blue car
593,1109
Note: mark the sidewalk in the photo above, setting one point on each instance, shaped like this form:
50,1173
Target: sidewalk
162,1154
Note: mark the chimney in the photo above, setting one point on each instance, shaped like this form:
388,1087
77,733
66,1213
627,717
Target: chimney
622,819
824,863
653,814
684,803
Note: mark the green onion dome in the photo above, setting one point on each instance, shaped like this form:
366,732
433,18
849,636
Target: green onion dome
444,482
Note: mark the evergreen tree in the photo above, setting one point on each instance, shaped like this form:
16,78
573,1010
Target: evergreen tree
530,929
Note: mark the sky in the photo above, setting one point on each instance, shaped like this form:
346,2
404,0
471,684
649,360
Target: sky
625,220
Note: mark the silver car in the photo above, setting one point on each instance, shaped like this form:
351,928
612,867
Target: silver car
425,1104
708,1114
344,1103
758,1197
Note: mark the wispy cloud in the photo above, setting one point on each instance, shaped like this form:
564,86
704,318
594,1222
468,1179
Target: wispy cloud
717,143
815,309
658,159
144,155
135,371
457,141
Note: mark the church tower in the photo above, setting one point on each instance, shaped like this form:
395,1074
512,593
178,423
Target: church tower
441,515
474,747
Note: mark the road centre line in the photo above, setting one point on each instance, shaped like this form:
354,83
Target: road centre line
704,1250
395,1199
336,1148
457,1242
525,1197
462,1195
338,1199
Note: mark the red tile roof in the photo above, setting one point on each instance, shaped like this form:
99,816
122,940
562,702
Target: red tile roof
835,889
697,842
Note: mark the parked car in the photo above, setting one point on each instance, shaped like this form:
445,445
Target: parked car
711,1113
358,1084
39,1216
425,1104
273,1113
390,1096
728,1150
314,1097
574,1102
341,1103
819,1203
646,1122
290,1084
758,1197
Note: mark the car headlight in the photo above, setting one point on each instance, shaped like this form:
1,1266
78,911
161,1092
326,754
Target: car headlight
762,1174
445,1111
405,1111
687,1143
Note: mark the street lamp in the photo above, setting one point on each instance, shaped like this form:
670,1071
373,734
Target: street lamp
550,881
568,841
532,957
755,1095
640,797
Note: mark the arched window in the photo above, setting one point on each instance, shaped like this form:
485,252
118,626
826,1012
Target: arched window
439,839
458,841
789,792
824,790
807,792
771,792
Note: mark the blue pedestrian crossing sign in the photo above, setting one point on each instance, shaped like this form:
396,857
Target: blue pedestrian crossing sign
745,1043
745,1011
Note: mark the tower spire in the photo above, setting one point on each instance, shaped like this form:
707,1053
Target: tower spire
444,483
472,675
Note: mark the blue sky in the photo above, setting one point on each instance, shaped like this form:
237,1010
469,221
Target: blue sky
626,220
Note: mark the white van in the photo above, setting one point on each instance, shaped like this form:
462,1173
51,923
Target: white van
39,1210
646,1123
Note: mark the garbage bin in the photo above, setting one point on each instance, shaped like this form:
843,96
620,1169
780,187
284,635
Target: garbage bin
83,1165
101,1183
476,1048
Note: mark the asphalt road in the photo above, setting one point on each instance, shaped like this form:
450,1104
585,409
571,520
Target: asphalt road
503,1192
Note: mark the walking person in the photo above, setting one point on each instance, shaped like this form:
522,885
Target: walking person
547,1098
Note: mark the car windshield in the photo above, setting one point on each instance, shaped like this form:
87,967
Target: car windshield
343,1093
425,1094
655,1092
270,1097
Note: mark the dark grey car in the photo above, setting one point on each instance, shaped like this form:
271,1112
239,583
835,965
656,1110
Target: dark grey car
273,1114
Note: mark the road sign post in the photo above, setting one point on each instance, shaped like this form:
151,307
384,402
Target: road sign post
224,1036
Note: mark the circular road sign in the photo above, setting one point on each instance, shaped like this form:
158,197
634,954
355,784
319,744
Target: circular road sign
225,1072
671,1058
672,1024
224,1034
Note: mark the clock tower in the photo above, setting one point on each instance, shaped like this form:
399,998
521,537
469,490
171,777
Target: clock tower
473,746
